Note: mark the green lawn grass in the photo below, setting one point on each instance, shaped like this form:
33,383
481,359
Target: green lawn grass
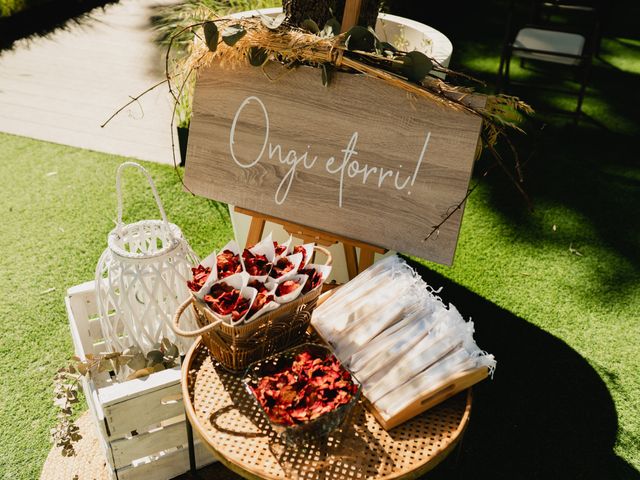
563,282
11,7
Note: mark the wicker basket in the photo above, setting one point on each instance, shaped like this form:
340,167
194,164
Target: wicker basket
236,347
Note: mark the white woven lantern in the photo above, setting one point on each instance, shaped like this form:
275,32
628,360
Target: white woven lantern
141,278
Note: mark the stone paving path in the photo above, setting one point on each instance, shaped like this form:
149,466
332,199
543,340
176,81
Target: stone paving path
61,88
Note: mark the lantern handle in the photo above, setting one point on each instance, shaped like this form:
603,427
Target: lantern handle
153,189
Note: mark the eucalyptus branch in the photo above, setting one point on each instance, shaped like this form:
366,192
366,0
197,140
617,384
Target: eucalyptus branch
498,162
67,383
173,142
170,46
454,73
133,100
502,165
436,228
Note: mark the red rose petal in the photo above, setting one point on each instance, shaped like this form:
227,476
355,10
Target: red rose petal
200,276
286,287
314,279
226,300
282,266
228,263
256,265
302,250
261,300
307,389
280,249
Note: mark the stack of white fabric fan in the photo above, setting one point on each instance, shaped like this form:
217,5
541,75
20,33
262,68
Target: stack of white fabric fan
396,336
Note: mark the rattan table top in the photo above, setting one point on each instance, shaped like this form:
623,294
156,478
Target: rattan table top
228,420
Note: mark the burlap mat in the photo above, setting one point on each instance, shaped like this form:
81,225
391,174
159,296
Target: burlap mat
88,463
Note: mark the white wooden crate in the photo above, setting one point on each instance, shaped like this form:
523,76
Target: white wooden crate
141,423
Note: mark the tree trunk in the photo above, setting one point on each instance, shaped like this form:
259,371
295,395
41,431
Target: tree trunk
319,11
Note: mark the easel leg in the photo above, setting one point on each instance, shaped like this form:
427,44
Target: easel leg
255,231
366,259
352,260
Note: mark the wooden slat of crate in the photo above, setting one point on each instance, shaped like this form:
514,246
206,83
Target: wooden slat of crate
91,396
136,404
167,466
142,405
79,308
126,450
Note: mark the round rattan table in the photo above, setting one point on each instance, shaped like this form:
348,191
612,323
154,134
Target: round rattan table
229,422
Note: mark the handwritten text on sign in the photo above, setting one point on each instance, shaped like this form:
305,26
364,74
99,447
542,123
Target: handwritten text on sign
346,166
360,159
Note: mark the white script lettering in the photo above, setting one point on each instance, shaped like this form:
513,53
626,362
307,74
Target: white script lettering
349,165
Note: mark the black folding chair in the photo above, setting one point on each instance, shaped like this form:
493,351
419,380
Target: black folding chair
560,33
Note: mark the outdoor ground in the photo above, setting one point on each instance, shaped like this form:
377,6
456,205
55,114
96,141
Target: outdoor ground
555,294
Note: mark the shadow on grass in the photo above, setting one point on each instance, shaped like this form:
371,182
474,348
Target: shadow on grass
547,414
587,171
584,175
44,19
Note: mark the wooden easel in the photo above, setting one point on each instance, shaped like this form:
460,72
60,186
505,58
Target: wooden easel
308,234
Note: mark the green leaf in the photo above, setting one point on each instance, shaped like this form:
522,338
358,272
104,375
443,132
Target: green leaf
257,56
273,23
310,25
172,352
360,38
233,33
331,28
154,357
132,350
123,360
165,344
211,35
104,365
138,361
416,65
384,47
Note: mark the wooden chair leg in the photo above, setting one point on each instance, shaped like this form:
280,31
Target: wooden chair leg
499,80
352,260
583,88
507,70
256,229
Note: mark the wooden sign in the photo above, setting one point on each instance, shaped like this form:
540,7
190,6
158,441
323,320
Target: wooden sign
359,158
